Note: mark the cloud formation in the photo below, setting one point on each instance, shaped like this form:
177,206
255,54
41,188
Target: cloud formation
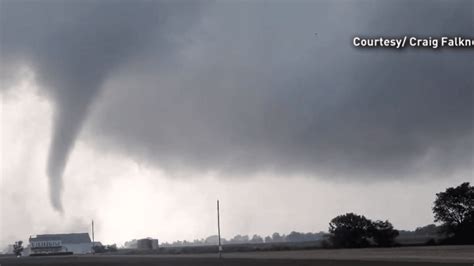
244,87
73,47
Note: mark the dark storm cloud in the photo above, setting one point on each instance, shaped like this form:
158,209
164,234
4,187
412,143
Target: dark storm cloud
250,87
256,90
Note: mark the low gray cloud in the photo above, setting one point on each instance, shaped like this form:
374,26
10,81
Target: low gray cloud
255,89
245,87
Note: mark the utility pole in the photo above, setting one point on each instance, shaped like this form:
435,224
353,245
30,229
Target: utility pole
219,230
93,242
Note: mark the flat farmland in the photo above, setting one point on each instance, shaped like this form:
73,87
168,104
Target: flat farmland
405,256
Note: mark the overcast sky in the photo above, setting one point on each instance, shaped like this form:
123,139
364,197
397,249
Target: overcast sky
141,114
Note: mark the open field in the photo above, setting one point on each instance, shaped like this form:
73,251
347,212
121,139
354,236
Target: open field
405,256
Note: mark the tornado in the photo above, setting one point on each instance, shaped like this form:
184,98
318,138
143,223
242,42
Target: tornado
73,47
67,125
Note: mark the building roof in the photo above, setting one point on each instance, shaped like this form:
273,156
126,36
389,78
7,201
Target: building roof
74,238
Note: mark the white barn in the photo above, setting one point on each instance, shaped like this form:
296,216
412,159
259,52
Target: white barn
77,243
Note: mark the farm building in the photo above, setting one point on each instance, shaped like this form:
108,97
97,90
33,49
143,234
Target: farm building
147,243
77,243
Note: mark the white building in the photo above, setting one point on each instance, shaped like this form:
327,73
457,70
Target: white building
78,243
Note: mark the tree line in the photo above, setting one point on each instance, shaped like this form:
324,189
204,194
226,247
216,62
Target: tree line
453,208
246,239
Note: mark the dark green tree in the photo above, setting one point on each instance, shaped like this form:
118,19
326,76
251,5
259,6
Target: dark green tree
455,209
383,233
350,231
18,248
276,237
256,239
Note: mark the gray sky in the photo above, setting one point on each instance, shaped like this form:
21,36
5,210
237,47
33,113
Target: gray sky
151,110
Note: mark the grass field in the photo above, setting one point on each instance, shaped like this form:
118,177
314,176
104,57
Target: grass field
405,256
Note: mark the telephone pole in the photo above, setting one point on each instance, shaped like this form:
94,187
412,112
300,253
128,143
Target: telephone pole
93,243
219,230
